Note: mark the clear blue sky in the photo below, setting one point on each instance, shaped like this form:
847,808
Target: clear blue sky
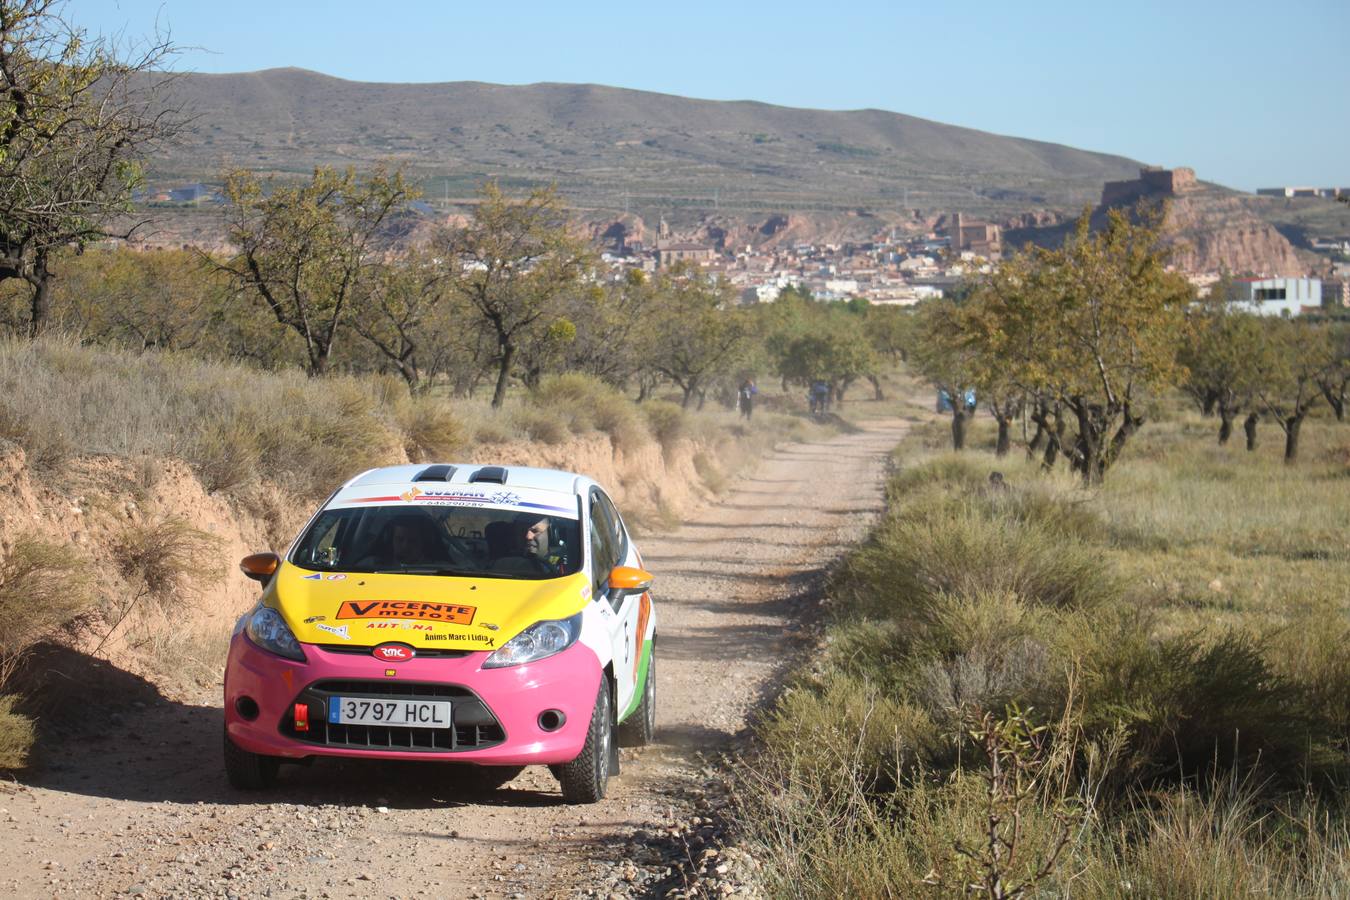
1249,94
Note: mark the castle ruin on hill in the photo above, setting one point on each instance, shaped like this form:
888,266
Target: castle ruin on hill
1152,182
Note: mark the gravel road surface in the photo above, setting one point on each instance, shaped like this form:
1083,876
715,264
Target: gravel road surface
138,805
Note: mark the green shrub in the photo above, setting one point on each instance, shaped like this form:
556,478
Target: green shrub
431,430
842,727
45,440
587,404
43,588
166,556
666,421
225,453
954,549
540,424
16,735
1194,703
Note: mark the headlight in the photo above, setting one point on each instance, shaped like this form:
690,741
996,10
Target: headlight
540,641
269,630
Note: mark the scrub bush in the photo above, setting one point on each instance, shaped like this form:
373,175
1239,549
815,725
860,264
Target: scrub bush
588,404
1180,631
43,591
665,420
432,432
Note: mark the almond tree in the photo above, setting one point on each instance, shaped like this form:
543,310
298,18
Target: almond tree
1334,380
512,264
76,115
696,333
1224,353
1094,325
1289,389
400,311
306,252
944,356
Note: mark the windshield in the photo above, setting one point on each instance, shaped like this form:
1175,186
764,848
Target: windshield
441,540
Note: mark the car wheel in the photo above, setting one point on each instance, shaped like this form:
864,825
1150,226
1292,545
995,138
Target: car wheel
639,729
249,771
584,779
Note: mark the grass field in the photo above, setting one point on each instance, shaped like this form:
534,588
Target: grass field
1157,666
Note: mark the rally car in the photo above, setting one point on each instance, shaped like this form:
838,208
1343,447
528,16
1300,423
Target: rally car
491,615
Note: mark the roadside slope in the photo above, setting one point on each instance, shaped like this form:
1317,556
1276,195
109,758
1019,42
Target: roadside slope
143,807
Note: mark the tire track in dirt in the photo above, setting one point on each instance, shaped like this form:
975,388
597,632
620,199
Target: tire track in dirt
139,806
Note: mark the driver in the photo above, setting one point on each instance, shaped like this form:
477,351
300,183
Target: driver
536,540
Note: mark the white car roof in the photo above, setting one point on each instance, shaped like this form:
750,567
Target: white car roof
468,473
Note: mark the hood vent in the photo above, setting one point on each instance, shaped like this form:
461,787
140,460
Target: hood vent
435,473
489,475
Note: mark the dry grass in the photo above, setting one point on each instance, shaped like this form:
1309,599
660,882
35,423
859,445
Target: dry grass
1189,618
43,591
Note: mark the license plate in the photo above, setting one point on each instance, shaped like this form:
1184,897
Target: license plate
405,713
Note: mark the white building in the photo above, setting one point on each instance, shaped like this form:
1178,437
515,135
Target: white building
1277,296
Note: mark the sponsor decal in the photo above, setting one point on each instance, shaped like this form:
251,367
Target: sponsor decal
393,652
312,619
644,615
315,577
400,624
339,630
477,638
463,497
407,609
585,592
390,673
337,578
489,626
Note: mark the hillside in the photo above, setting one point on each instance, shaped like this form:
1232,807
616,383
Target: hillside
607,147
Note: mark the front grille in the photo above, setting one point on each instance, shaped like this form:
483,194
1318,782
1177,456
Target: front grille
421,652
474,726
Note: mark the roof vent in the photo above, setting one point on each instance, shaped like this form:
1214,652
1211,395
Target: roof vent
489,475
435,473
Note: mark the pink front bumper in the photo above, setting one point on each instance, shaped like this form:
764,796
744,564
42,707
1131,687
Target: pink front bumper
517,695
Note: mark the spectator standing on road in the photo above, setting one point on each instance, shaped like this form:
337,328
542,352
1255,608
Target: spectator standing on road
746,397
820,397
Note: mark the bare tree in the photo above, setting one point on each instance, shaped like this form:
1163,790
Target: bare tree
75,118
514,263
306,252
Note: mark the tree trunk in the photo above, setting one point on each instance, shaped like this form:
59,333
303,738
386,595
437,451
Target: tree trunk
503,374
40,303
1211,400
1337,401
1249,426
318,361
876,388
1004,440
959,417
1292,426
1225,426
1037,442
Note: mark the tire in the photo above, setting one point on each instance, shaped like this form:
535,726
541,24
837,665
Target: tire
639,729
249,771
585,778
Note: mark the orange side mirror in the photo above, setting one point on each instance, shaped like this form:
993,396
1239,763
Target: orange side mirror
630,580
260,566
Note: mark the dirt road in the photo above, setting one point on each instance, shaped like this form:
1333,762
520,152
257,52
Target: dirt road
140,807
